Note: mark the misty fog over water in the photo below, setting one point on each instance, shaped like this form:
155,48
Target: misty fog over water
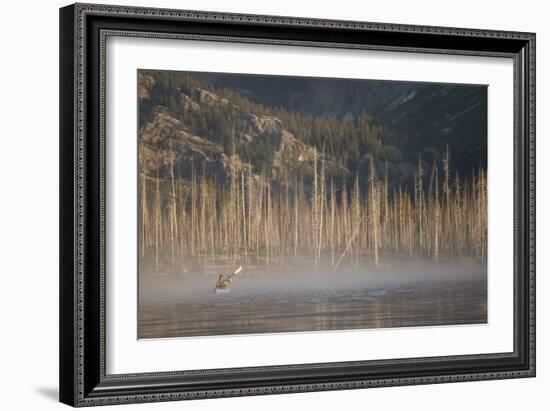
397,294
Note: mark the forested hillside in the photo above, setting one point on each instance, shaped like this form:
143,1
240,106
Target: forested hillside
422,116
226,118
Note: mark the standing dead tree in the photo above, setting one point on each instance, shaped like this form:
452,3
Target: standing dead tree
251,218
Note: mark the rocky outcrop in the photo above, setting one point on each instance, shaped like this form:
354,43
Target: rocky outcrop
188,103
165,140
293,155
145,83
265,124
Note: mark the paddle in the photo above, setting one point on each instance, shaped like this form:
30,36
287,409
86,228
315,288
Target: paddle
237,271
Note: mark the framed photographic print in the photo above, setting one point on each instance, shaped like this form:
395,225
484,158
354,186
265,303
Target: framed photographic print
261,204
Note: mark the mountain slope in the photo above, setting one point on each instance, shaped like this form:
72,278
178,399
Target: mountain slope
419,115
190,126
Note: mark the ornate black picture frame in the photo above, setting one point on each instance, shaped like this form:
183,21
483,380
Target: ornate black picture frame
83,32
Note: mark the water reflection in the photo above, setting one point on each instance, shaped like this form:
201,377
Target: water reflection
416,304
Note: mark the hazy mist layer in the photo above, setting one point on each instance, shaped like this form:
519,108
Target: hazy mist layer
295,280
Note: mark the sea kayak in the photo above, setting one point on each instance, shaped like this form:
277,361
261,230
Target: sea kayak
223,290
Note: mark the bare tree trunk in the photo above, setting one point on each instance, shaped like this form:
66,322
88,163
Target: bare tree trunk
268,219
420,203
193,208
332,211
244,219
374,204
348,245
296,218
437,216
173,217
144,214
314,202
446,189
157,222
321,208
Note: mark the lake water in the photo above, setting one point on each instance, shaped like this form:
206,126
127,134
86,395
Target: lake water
420,303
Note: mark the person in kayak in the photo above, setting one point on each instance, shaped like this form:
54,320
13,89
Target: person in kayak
223,282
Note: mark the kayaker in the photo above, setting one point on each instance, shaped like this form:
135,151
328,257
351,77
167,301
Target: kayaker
223,282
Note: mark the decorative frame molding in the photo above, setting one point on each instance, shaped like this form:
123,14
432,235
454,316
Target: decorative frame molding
83,32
